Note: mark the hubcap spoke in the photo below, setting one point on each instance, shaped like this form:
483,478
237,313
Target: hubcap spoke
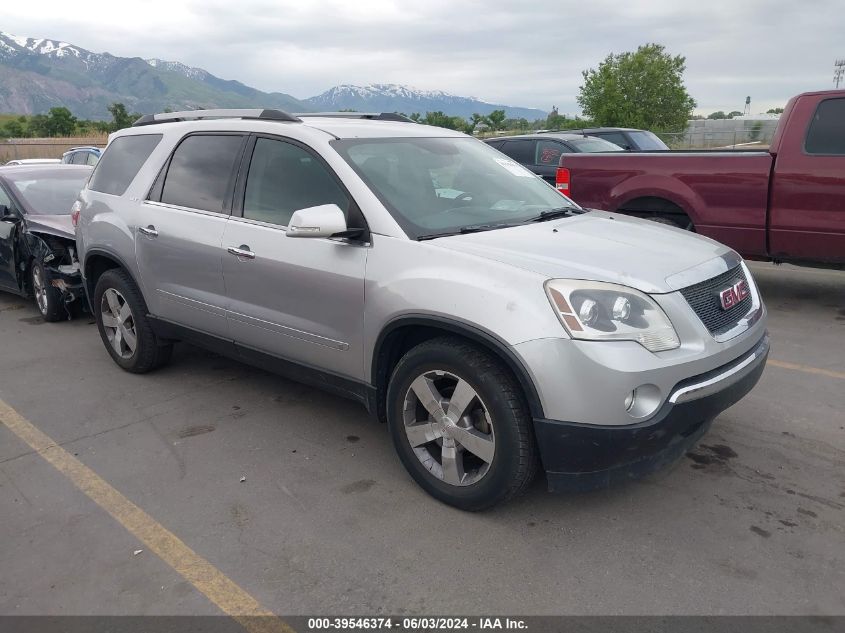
477,443
109,321
462,397
124,313
128,338
429,396
453,468
422,433
114,302
117,341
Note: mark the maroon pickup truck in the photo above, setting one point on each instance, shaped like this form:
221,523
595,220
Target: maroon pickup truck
783,204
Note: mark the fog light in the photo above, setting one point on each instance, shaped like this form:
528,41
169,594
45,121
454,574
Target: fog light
643,401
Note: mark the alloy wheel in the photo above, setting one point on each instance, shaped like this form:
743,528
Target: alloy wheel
449,428
39,289
118,323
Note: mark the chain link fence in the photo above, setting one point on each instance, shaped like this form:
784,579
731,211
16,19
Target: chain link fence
20,148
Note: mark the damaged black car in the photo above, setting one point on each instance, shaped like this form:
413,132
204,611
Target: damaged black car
37,244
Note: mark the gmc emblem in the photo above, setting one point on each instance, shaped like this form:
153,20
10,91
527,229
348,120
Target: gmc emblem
729,297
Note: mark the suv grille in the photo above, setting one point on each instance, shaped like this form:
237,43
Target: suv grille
703,298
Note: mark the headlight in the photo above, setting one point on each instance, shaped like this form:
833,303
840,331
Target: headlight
596,311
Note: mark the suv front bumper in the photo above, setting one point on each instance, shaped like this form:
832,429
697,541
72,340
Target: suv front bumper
586,456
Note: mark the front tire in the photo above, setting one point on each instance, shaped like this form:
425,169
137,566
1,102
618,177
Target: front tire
460,424
127,333
48,299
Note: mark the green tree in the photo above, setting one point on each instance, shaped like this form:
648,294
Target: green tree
477,119
13,129
120,117
734,113
718,115
641,89
415,116
60,122
37,125
775,111
496,120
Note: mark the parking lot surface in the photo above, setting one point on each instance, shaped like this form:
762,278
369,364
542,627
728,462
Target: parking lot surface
297,497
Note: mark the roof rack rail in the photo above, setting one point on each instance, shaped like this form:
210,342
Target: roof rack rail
196,115
371,116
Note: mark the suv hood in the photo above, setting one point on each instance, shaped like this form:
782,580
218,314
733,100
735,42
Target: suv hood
59,225
597,246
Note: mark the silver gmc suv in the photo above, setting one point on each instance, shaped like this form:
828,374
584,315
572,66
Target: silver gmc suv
491,322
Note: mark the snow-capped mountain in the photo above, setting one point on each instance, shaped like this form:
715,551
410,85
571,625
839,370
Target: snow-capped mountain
398,98
37,74
178,67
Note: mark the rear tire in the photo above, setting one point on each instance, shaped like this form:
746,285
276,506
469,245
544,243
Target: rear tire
460,424
127,333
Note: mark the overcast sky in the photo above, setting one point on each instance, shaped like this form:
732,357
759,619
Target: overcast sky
511,52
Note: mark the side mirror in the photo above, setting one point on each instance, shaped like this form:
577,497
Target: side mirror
326,220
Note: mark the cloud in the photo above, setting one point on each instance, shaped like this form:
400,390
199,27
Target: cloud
500,51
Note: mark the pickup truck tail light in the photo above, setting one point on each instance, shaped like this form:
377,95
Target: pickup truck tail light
562,181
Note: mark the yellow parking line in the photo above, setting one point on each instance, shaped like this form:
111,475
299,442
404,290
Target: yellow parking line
209,580
807,369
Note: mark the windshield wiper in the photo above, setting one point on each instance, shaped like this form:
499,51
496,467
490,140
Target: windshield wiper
551,214
470,228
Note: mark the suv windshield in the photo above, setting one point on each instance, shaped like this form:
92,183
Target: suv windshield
441,186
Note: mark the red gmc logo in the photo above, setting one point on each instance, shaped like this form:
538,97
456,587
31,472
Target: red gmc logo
729,297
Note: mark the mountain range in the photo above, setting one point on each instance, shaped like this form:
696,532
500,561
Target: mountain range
37,74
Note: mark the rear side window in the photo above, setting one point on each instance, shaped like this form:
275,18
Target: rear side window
522,151
616,138
121,161
827,128
202,171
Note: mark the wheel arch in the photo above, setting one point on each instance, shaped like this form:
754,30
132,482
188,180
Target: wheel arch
97,261
405,332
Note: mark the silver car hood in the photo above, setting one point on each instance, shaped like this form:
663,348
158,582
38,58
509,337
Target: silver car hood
59,225
598,246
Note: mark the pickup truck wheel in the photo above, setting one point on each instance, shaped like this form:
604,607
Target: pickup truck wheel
460,424
121,315
48,299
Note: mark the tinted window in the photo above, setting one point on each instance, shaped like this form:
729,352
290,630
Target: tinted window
4,199
121,161
496,144
79,158
201,172
548,153
587,145
827,129
91,158
647,141
284,178
614,137
522,151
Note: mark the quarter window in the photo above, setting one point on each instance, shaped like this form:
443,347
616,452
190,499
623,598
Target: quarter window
121,161
284,178
827,128
202,171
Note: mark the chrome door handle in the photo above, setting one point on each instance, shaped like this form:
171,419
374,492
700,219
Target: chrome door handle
242,251
149,231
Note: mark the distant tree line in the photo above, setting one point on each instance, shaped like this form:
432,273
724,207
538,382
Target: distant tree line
61,122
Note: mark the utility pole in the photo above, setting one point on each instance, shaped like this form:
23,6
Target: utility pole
838,72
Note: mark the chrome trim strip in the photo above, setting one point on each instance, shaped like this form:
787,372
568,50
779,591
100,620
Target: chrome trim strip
284,330
725,379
